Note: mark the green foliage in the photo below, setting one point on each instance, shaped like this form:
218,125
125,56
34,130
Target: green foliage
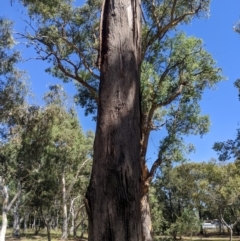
67,36
158,221
185,195
162,16
187,224
53,141
166,59
174,75
48,143
175,69
48,9
13,89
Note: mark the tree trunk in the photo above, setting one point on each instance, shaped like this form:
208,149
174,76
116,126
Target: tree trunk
145,207
26,222
146,218
65,215
228,226
49,232
16,222
113,196
34,221
4,212
200,218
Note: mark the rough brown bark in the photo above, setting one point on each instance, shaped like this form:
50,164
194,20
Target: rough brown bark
114,194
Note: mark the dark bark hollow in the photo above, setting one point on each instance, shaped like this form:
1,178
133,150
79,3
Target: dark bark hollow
113,196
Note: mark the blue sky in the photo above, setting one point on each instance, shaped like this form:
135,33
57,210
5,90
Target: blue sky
221,104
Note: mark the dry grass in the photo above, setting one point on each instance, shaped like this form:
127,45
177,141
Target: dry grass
42,236
56,236
205,237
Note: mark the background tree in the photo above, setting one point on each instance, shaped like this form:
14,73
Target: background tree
46,147
57,147
197,192
12,98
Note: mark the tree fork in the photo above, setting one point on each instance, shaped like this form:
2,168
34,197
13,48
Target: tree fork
114,192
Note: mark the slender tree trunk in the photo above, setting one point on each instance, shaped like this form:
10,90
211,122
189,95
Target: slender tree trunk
73,216
57,221
73,225
34,221
113,196
145,206
64,205
48,224
146,176
49,232
228,226
146,218
6,206
4,213
200,218
25,222
16,222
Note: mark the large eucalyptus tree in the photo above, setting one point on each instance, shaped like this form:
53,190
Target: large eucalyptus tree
139,75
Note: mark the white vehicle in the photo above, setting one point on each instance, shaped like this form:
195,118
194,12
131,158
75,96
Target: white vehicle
209,225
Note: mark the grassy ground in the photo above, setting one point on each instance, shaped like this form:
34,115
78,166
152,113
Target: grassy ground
42,236
210,236
56,236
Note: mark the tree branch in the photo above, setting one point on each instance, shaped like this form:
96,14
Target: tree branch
173,9
51,52
76,178
84,59
15,197
162,30
172,97
78,79
153,170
